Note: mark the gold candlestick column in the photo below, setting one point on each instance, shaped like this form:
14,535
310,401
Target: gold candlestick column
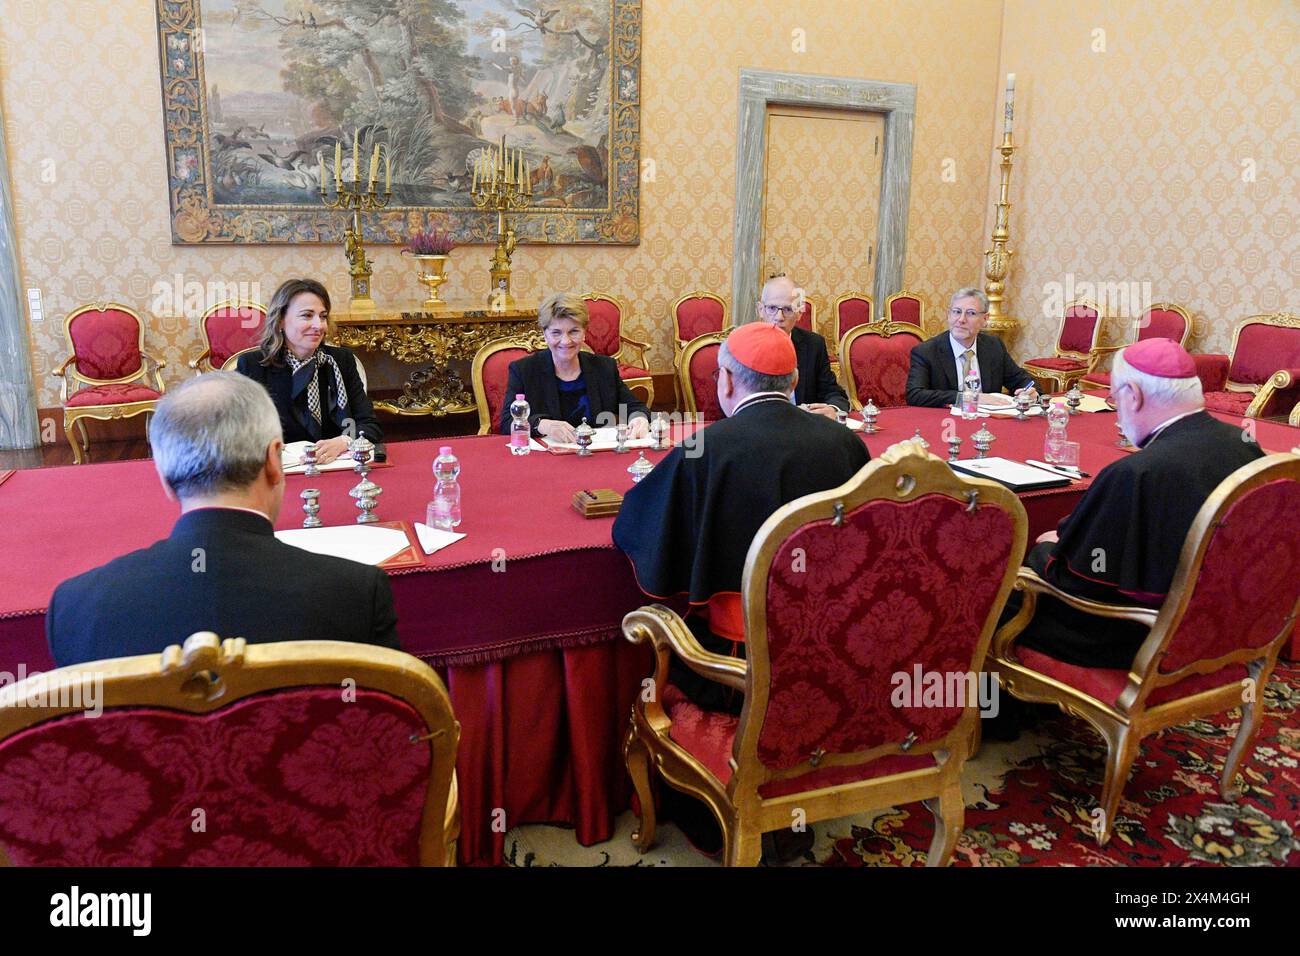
356,197
997,260
505,186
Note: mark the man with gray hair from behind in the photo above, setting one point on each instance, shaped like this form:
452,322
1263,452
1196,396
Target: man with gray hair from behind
216,446
1121,543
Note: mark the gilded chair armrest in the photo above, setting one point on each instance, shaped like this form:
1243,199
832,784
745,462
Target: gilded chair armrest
639,348
64,367
1280,381
1028,581
1294,419
158,363
1212,369
198,359
664,629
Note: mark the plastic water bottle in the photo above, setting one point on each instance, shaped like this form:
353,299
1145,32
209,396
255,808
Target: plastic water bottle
1058,416
970,396
444,510
520,431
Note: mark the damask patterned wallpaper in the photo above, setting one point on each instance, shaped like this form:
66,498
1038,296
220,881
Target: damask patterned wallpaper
1160,143
99,229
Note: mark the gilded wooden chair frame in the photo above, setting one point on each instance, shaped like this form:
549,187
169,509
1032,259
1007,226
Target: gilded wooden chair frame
1280,379
907,294
1102,351
1091,357
149,366
698,294
883,328
1294,420
532,341
1124,723
627,345
902,473
207,674
229,364
203,361
683,379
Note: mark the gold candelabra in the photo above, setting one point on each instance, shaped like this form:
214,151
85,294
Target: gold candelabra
997,260
353,197
502,181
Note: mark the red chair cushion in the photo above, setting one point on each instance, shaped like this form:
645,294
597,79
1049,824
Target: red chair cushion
1106,684
631,371
1077,329
288,778
906,310
1058,364
496,376
603,329
898,585
805,317
698,316
852,313
879,367
232,330
107,344
1100,379
704,387
1162,324
1228,403
709,737
97,395
1261,351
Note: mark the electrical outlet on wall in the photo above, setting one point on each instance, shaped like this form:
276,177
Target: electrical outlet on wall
34,307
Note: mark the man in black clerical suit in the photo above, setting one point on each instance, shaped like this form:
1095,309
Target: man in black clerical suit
216,444
781,304
1122,542
939,365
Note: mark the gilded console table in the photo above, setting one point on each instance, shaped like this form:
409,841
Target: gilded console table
415,336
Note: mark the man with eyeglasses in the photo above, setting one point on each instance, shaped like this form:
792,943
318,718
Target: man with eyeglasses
940,365
781,303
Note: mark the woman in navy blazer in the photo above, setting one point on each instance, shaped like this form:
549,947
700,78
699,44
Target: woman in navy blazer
564,385
316,387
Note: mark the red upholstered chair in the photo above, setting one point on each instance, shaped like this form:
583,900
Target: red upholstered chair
1076,347
906,307
874,359
696,313
697,369
1261,379
121,380
232,361
490,374
306,753
851,310
604,335
844,591
1161,321
808,317
1232,605
227,328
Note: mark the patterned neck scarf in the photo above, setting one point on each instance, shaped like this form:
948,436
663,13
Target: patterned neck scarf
306,374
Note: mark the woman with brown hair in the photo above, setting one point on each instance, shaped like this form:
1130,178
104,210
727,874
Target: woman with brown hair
315,387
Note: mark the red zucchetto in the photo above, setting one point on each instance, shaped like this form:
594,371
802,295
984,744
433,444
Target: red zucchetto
1163,358
763,347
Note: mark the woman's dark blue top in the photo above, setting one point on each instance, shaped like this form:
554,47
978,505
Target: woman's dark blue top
574,405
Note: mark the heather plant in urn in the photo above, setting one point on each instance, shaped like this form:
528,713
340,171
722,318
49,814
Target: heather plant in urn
429,249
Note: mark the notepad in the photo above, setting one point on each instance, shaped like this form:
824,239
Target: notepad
1015,475
291,460
356,542
604,439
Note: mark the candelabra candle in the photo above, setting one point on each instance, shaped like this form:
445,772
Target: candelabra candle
501,183
311,505
354,197
983,440
309,459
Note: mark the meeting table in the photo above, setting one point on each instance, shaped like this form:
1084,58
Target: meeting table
521,617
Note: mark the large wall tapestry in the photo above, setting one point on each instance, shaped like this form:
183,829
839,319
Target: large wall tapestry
257,92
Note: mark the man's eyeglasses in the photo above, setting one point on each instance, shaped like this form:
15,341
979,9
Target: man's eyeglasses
787,311
969,313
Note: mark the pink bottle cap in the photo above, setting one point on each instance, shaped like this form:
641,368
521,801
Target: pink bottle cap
519,398
444,450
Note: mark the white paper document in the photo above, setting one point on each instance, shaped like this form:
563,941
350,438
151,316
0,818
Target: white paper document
1000,411
291,460
1014,474
356,542
435,539
604,439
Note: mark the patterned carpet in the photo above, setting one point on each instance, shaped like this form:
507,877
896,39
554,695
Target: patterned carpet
1028,803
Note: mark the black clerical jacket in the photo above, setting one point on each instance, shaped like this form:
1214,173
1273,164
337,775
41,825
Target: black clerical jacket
933,380
357,417
534,377
688,525
816,380
1121,543
220,570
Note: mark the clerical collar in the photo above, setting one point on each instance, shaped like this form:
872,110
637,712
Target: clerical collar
757,397
1155,432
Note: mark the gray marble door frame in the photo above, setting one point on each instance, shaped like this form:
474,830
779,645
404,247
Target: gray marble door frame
18,427
758,89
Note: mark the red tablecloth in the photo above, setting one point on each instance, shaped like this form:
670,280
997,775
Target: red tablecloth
532,651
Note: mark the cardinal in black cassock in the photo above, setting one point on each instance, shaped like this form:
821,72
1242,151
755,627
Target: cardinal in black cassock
688,525
1122,542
